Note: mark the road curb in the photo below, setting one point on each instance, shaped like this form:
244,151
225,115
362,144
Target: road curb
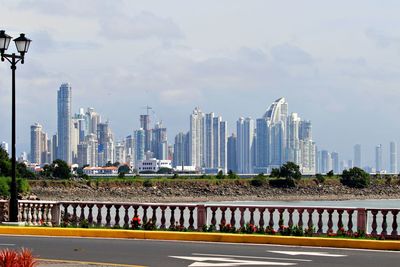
208,237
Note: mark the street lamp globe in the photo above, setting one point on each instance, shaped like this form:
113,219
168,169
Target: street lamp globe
22,43
4,41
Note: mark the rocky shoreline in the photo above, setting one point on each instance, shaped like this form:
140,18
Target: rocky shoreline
200,191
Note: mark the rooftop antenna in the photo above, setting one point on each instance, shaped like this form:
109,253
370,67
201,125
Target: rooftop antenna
147,109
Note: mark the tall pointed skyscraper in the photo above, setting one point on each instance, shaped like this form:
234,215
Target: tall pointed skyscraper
64,123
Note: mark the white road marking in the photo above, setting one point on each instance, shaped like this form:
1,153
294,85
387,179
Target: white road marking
305,253
227,262
7,245
249,257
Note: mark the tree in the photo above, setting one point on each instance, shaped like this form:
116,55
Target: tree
116,164
290,170
220,175
124,169
330,173
275,172
164,170
355,177
61,170
232,175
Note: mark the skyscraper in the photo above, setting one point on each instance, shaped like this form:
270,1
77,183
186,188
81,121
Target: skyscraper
326,161
139,145
231,151
159,141
106,144
145,125
262,143
64,123
335,162
223,143
292,139
36,146
196,139
378,158
357,156
181,150
393,157
245,145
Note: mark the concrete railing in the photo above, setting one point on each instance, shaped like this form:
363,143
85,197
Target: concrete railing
376,222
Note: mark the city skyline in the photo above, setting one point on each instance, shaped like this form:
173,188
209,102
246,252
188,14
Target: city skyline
341,79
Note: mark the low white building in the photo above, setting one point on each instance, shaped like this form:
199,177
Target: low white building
100,170
153,165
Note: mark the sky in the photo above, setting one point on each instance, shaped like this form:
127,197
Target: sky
337,63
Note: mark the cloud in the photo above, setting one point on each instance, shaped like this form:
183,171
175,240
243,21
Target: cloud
291,55
146,25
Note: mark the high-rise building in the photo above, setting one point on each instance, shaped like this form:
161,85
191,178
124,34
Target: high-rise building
393,157
231,151
293,152
130,150
36,143
88,151
335,162
120,152
357,156
196,139
262,144
159,142
326,161
64,123
139,145
181,150
245,145
208,140
378,158
145,125
106,144
223,143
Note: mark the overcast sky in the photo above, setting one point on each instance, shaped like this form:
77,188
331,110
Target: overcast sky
337,64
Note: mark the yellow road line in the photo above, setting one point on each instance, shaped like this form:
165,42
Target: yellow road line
89,262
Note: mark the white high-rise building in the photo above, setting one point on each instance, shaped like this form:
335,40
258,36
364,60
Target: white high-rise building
293,152
208,140
120,152
393,157
36,143
196,139
378,159
223,146
64,123
245,145
357,156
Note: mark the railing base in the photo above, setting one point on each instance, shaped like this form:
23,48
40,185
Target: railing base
13,224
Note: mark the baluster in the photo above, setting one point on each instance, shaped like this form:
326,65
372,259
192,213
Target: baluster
90,215
261,221
384,222
213,217
330,222
172,219
34,214
394,224
23,217
182,218
126,216
154,215
29,214
82,215
49,217
233,219
300,222
145,207
191,219
271,217
99,216
290,222
241,209
320,224
340,222
135,209
350,223
39,219
66,215
163,217
251,210
223,219
117,218
74,215
374,223
310,222
108,216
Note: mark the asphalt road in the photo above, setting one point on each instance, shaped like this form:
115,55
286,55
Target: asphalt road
175,254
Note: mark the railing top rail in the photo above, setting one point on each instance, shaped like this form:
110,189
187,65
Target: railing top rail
3,201
282,207
379,209
38,201
127,203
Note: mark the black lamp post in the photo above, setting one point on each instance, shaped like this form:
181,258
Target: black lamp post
22,43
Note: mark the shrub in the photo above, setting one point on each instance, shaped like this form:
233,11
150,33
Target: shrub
320,178
4,187
355,177
149,225
282,183
12,258
23,186
259,180
147,183
220,175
